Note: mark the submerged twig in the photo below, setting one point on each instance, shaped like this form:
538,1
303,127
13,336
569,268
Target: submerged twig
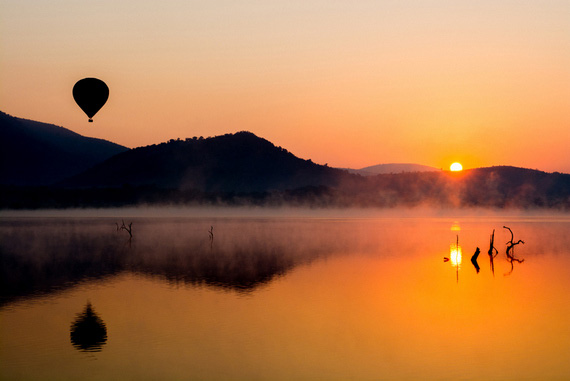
511,244
510,250
492,246
127,229
490,252
211,231
474,260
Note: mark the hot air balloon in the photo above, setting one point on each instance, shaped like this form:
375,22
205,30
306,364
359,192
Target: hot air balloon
90,94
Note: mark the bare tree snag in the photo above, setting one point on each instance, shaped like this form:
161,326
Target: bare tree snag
490,252
127,229
474,260
211,232
510,250
511,244
492,246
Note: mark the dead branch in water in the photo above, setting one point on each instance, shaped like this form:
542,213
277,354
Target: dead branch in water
127,229
511,244
474,260
492,246
510,250
490,252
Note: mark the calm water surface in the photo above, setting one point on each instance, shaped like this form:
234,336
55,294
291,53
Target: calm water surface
284,298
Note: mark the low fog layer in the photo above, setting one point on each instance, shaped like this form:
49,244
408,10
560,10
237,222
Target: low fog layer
181,211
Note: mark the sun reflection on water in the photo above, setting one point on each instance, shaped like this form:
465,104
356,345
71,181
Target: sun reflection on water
455,254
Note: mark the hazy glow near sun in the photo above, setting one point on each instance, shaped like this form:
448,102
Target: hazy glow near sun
456,167
455,254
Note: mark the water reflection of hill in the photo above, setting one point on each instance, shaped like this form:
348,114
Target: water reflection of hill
242,270
46,256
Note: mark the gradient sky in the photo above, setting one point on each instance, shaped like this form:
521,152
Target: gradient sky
346,83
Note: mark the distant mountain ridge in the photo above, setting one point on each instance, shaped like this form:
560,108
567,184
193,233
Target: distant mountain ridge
391,168
35,153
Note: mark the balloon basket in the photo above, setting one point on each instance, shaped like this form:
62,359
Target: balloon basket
90,120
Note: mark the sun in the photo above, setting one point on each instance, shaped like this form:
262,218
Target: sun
456,167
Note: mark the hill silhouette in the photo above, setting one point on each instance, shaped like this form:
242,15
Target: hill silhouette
506,186
34,153
497,187
240,162
236,169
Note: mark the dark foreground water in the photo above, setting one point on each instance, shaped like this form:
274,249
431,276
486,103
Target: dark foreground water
385,297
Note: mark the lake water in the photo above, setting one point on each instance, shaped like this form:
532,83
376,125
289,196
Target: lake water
281,296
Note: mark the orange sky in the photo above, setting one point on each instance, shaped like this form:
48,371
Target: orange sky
429,82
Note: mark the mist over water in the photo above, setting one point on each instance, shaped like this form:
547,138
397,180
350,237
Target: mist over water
181,211
283,294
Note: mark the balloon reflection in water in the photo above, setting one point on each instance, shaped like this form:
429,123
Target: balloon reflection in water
88,332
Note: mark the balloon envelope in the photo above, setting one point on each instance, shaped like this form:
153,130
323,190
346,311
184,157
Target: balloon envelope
90,94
